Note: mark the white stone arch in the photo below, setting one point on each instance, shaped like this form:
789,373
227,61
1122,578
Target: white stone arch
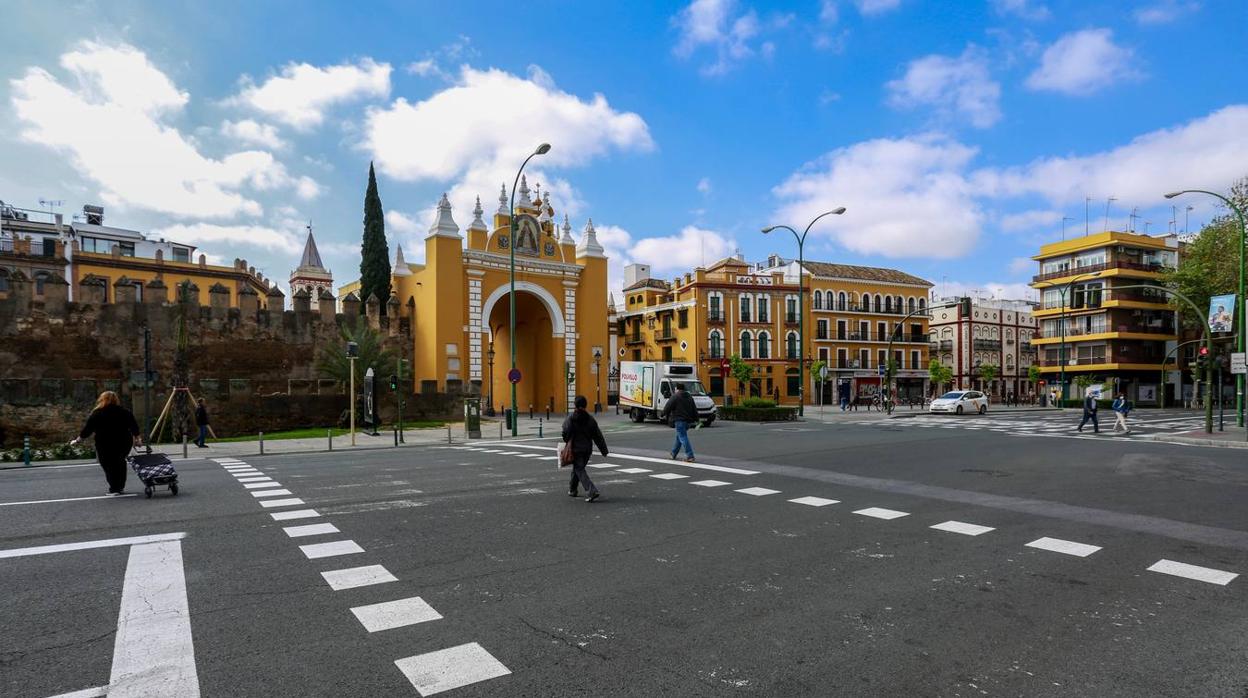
552,305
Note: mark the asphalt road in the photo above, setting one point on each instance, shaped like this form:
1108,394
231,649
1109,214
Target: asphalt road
480,576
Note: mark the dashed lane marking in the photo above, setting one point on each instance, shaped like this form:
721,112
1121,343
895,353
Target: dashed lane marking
602,465
757,491
878,513
710,483
669,476
293,501
661,461
310,530
1065,547
270,493
815,501
634,471
1200,574
966,529
331,549
395,614
297,514
262,478
353,577
262,485
450,668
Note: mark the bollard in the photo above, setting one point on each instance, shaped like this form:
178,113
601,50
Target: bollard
262,443
184,453
530,410
329,436
26,450
500,431
396,437
539,428
548,414
448,434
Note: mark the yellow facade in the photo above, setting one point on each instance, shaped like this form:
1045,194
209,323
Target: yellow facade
139,270
461,296
734,308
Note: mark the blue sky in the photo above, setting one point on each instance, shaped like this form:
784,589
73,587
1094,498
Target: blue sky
957,134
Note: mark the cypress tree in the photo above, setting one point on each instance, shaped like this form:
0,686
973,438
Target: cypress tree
374,252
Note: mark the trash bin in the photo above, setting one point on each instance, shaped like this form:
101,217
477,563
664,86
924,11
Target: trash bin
472,417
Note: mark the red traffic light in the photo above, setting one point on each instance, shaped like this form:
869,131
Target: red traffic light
1204,351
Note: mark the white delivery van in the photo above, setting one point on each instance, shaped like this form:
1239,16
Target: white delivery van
645,387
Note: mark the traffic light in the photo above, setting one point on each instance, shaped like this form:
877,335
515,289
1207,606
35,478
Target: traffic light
394,382
1202,358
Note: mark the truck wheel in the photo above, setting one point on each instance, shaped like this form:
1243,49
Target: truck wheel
636,415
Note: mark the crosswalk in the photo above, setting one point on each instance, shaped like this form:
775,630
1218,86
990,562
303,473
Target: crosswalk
1047,425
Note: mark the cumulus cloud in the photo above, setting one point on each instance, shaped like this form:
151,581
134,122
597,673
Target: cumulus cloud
459,134
301,94
876,7
402,223
958,86
1029,220
689,248
252,132
1083,62
906,197
111,120
264,237
1025,9
730,34
1163,12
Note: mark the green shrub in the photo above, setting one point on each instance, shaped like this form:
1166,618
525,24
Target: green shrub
61,451
758,414
757,402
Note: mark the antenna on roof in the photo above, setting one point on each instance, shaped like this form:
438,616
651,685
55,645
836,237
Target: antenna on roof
1131,219
50,204
1108,201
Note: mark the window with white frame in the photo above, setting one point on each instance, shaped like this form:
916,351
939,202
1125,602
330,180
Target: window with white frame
764,308
745,302
745,345
764,348
716,343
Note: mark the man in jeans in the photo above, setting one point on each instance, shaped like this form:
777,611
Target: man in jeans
682,410
1089,413
201,421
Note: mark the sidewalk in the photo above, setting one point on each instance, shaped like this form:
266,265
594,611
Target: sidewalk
1233,437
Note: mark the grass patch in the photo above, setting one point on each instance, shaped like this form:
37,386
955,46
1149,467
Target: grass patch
316,433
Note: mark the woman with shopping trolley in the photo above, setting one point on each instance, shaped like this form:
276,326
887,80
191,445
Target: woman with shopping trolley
116,432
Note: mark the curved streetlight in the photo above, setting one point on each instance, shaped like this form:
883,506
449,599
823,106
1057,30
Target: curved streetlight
1239,377
1061,352
892,393
511,245
801,304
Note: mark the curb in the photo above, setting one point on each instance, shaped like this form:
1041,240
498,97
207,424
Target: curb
1189,441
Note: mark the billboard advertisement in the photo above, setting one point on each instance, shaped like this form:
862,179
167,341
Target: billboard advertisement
1221,312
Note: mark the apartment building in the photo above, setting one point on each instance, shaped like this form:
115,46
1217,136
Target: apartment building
968,334
1102,313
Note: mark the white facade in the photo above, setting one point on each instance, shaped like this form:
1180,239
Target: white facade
997,333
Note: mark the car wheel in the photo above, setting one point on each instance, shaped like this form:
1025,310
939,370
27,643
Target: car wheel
959,410
983,409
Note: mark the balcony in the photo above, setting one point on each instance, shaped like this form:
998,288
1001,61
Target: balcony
665,334
791,320
1162,329
635,339
1091,268
715,318
986,344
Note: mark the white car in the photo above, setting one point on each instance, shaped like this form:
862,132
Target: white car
961,401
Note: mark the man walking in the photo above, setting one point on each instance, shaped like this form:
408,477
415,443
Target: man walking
201,421
683,412
1121,407
581,433
1089,413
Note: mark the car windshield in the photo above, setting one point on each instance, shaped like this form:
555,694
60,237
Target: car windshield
952,396
694,387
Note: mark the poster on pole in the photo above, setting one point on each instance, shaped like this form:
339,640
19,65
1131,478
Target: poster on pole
1221,310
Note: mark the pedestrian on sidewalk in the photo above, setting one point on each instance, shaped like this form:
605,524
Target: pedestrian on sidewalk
201,421
1089,413
581,431
1122,407
682,411
116,432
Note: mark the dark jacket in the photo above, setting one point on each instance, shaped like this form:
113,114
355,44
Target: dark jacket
1089,405
681,407
201,416
581,430
114,429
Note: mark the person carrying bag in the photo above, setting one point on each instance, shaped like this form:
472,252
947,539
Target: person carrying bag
580,435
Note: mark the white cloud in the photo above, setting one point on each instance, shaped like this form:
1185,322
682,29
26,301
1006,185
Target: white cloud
988,289
829,12
302,93
264,237
1163,12
691,247
1022,265
1083,62
1025,9
111,123
1029,220
307,188
459,133
252,132
719,26
704,185
876,7
905,197
424,68
960,85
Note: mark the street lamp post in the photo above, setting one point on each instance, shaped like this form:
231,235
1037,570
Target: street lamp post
511,246
801,302
353,353
598,375
1061,352
897,331
1239,377
489,355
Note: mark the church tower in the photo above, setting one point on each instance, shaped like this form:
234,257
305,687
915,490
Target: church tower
311,274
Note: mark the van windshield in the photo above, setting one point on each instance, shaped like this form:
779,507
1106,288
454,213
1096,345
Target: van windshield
694,387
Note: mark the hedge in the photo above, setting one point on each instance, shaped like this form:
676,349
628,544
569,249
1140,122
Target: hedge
62,451
758,414
757,402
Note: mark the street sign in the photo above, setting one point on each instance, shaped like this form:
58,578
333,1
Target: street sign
724,366
823,372
881,370
1239,362
514,375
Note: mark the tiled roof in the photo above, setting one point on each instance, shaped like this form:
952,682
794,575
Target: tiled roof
651,283
851,271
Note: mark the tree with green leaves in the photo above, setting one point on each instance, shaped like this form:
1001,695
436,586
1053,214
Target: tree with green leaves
816,371
743,372
374,252
1034,374
1210,264
939,374
332,361
987,374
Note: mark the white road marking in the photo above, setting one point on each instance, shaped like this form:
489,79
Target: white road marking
601,465
331,549
299,514
758,491
245,473
548,457
878,513
153,654
261,478
661,461
669,476
71,499
443,670
634,471
358,577
281,502
310,530
1200,574
90,544
529,455
395,614
509,453
814,501
1065,547
709,483
965,529
270,493
262,485
97,692
490,450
